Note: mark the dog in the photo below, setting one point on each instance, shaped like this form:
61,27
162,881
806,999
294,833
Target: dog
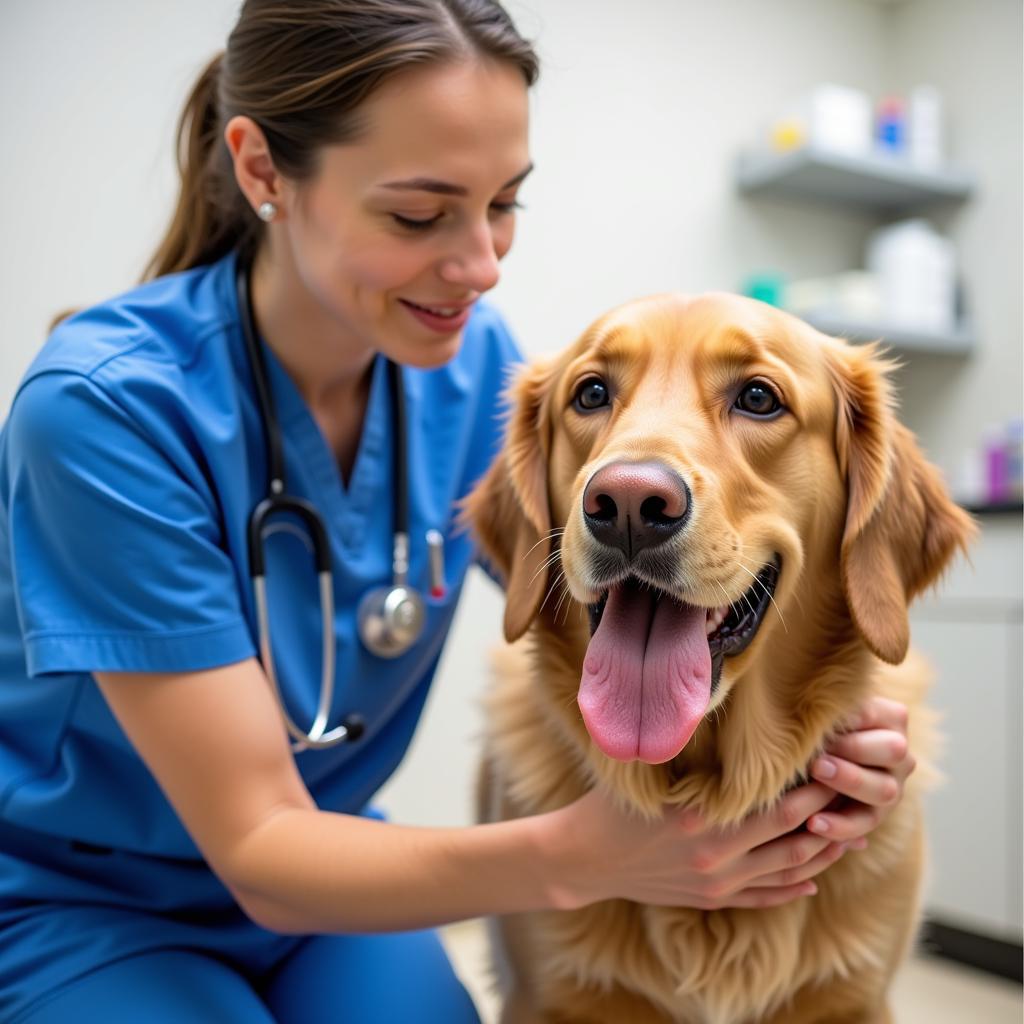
708,494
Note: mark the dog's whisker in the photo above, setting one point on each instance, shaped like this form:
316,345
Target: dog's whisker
561,600
769,594
546,564
550,535
562,582
725,594
551,559
565,594
558,579
771,598
545,601
555,612
733,604
568,607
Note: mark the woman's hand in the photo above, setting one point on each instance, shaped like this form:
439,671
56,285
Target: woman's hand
869,764
603,852
768,859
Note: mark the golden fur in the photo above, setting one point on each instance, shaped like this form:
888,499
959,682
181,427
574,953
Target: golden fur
863,524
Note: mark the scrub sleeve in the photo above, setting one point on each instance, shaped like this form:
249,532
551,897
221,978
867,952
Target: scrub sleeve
131,574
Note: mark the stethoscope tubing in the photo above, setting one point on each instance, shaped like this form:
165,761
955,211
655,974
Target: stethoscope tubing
315,737
278,501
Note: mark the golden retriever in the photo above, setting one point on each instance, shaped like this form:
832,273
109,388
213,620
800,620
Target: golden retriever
710,524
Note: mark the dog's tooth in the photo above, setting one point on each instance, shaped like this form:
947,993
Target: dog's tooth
716,616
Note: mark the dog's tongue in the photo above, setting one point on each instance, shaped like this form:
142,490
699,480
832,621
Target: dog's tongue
646,676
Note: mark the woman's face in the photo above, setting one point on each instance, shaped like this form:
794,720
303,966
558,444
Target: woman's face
399,232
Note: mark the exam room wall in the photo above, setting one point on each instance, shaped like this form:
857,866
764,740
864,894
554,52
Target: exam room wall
637,118
972,52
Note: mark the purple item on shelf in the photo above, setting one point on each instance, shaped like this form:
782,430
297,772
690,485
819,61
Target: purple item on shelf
997,471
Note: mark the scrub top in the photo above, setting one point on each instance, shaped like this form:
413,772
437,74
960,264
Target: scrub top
129,465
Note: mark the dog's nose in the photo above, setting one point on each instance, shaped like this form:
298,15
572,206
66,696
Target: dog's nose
635,505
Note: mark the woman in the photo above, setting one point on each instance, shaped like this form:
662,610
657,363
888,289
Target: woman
350,171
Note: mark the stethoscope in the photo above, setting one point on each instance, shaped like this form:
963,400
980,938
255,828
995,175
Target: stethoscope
391,619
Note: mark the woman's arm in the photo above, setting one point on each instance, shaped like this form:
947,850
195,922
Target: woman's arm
215,743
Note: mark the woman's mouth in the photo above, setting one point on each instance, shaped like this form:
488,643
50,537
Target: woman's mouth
441,318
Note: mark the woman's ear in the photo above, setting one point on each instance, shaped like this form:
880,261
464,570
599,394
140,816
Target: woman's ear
509,511
902,529
253,165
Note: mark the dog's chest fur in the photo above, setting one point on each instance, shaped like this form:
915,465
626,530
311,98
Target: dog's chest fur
686,966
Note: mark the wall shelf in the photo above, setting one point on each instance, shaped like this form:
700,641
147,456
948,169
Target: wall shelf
957,343
999,508
872,181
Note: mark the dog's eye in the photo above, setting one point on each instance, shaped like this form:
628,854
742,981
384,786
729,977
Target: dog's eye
591,394
758,399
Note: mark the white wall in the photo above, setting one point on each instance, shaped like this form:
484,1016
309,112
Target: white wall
972,53
91,95
638,115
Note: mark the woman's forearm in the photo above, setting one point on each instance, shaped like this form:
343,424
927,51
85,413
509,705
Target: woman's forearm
305,870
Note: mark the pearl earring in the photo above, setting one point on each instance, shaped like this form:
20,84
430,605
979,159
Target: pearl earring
267,211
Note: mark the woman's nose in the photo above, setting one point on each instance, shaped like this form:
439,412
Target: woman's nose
474,264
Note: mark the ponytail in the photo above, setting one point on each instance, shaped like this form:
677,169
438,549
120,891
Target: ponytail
211,217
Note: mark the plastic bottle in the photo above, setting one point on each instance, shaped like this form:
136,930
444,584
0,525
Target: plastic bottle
1015,459
891,126
997,477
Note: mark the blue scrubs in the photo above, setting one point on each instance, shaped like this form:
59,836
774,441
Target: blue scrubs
129,465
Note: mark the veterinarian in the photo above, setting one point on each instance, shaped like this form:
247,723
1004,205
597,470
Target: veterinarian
229,565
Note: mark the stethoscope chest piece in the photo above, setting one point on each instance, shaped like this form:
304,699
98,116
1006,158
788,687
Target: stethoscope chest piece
391,620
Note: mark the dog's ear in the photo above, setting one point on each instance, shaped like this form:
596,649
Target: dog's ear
902,528
509,510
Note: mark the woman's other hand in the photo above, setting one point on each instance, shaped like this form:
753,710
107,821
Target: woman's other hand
869,764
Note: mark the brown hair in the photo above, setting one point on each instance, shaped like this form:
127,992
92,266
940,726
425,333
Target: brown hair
301,70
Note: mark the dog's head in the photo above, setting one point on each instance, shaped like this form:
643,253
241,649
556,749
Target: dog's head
707,470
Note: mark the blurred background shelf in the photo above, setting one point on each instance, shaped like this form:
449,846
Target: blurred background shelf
879,182
1000,508
956,343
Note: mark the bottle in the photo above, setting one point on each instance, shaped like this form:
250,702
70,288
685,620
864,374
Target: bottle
890,126
1014,459
997,479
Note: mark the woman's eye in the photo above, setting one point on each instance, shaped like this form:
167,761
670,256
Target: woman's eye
413,224
758,399
509,207
591,394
